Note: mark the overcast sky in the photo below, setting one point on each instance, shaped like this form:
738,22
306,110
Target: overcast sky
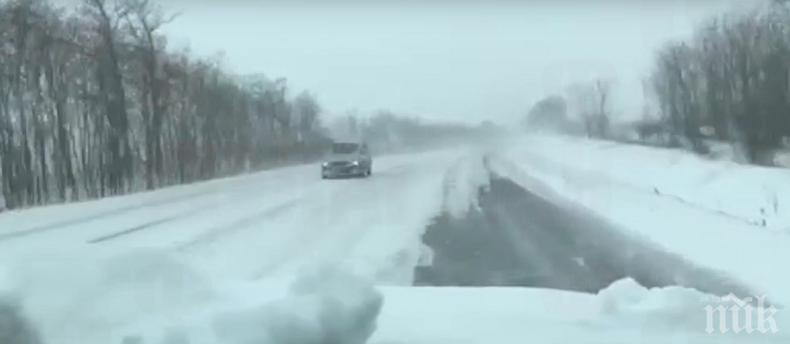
440,60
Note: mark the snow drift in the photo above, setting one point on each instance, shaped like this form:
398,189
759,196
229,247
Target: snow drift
462,184
751,194
326,306
15,328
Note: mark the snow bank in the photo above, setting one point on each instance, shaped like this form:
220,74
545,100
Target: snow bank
84,298
15,328
623,313
462,184
324,307
146,282
151,297
6,281
626,303
754,195
328,306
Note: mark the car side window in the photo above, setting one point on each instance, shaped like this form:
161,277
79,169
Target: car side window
364,149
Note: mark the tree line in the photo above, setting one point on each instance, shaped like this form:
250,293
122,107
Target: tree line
729,81
93,104
590,103
386,132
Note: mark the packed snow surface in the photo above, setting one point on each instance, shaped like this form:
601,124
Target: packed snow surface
284,257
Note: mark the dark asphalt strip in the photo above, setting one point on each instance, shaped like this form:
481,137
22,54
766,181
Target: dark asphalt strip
518,238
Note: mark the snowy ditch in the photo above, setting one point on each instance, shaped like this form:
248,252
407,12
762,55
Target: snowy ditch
510,236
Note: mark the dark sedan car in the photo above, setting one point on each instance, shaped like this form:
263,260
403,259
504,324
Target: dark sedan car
347,159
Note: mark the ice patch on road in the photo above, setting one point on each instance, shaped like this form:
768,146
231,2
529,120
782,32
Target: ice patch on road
463,181
326,306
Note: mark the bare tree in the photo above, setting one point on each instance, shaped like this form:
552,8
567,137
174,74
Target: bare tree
92,103
550,112
591,103
732,76
112,93
601,117
144,19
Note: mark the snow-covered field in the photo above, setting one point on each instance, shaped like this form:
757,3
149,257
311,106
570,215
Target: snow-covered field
753,195
284,257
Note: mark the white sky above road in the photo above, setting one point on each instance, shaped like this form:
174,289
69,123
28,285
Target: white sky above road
468,60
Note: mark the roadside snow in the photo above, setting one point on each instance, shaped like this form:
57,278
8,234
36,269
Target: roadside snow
462,184
616,182
329,306
323,307
623,313
754,195
15,327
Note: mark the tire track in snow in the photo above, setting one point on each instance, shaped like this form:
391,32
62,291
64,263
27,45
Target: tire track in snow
307,241
342,234
216,232
117,211
302,242
150,224
167,219
99,216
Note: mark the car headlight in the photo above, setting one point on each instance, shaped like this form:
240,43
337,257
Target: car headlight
355,163
325,164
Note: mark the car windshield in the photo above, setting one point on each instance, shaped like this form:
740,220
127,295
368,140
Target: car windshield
344,148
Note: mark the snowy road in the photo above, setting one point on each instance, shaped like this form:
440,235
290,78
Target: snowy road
257,226
94,272
96,266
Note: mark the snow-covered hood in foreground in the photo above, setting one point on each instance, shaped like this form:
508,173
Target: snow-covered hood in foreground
624,313
327,306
